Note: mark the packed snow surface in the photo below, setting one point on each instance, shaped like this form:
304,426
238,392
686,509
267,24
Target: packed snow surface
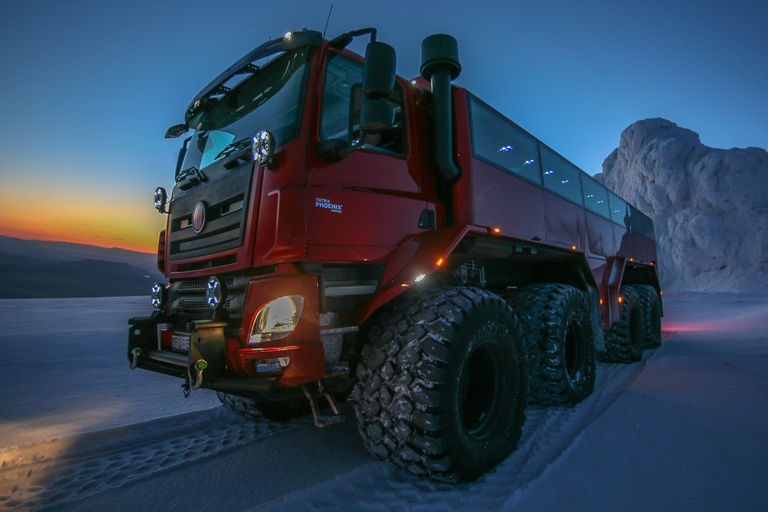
709,206
684,429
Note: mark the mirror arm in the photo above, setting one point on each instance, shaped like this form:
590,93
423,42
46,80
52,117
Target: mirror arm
335,150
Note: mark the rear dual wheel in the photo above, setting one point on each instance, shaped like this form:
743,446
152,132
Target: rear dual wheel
624,341
556,327
442,384
650,305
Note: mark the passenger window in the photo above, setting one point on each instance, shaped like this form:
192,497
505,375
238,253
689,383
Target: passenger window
561,176
502,143
619,210
342,102
640,223
595,196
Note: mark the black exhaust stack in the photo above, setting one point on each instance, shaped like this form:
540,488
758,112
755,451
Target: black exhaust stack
440,65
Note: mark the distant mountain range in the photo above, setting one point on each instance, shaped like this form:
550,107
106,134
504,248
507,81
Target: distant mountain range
39,269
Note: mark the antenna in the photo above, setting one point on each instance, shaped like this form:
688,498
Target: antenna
326,21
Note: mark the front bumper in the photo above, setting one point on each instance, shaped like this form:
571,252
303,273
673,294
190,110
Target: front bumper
232,364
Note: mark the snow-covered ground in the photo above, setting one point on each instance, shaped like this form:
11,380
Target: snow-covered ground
685,429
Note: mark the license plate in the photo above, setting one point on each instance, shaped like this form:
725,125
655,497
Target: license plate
180,342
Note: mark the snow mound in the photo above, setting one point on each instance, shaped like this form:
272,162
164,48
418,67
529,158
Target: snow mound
709,206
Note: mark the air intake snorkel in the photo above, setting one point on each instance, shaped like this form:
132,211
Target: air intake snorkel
440,65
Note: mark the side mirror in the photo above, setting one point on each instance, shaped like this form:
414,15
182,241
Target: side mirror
376,116
379,70
176,130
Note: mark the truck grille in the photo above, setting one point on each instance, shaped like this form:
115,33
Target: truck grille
188,296
226,207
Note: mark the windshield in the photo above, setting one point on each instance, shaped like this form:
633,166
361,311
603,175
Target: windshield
265,98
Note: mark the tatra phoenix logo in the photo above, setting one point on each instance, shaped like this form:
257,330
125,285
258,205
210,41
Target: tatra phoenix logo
324,203
198,217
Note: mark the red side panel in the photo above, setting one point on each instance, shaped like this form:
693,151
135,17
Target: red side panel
599,236
507,202
565,222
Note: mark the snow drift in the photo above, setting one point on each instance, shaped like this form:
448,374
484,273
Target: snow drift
709,206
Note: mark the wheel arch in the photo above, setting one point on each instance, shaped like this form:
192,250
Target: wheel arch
509,262
643,273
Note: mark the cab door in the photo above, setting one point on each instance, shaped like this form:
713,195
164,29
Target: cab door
364,205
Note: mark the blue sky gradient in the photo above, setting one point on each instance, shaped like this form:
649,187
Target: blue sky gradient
88,88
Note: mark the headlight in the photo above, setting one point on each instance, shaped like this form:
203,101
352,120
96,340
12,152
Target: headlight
158,295
276,319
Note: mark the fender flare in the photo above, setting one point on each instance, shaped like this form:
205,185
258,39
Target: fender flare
426,249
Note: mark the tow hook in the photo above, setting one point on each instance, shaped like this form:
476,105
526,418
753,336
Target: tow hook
199,366
136,352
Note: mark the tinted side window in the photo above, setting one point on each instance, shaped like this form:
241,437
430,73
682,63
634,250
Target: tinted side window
619,210
341,75
561,176
640,223
342,101
595,197
500,142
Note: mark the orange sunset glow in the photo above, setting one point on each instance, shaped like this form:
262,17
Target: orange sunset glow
114,222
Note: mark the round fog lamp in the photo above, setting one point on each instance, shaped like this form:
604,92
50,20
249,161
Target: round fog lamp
214,292
158,295
263,147
161,197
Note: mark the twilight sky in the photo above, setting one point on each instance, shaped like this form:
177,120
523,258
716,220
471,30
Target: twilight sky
88,88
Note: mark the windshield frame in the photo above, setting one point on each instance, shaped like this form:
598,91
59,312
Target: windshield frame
290,41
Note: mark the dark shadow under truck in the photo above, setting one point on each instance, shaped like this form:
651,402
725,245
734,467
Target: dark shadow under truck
336,230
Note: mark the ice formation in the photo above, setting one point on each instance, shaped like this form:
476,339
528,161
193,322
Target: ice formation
709,206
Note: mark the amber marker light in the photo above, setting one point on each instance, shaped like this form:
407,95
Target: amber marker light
440,262
497,230
631,259
573,247
601,302
621,300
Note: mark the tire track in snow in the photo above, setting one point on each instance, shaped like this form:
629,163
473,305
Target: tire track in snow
547,434
66,470
44,474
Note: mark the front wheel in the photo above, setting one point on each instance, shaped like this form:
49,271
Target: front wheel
442,384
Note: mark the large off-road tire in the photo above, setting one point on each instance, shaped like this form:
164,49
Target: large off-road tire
651,308
277,410
442,384
624,341
557,332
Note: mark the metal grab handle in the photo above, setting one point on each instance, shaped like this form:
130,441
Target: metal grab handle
136,354
201,365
